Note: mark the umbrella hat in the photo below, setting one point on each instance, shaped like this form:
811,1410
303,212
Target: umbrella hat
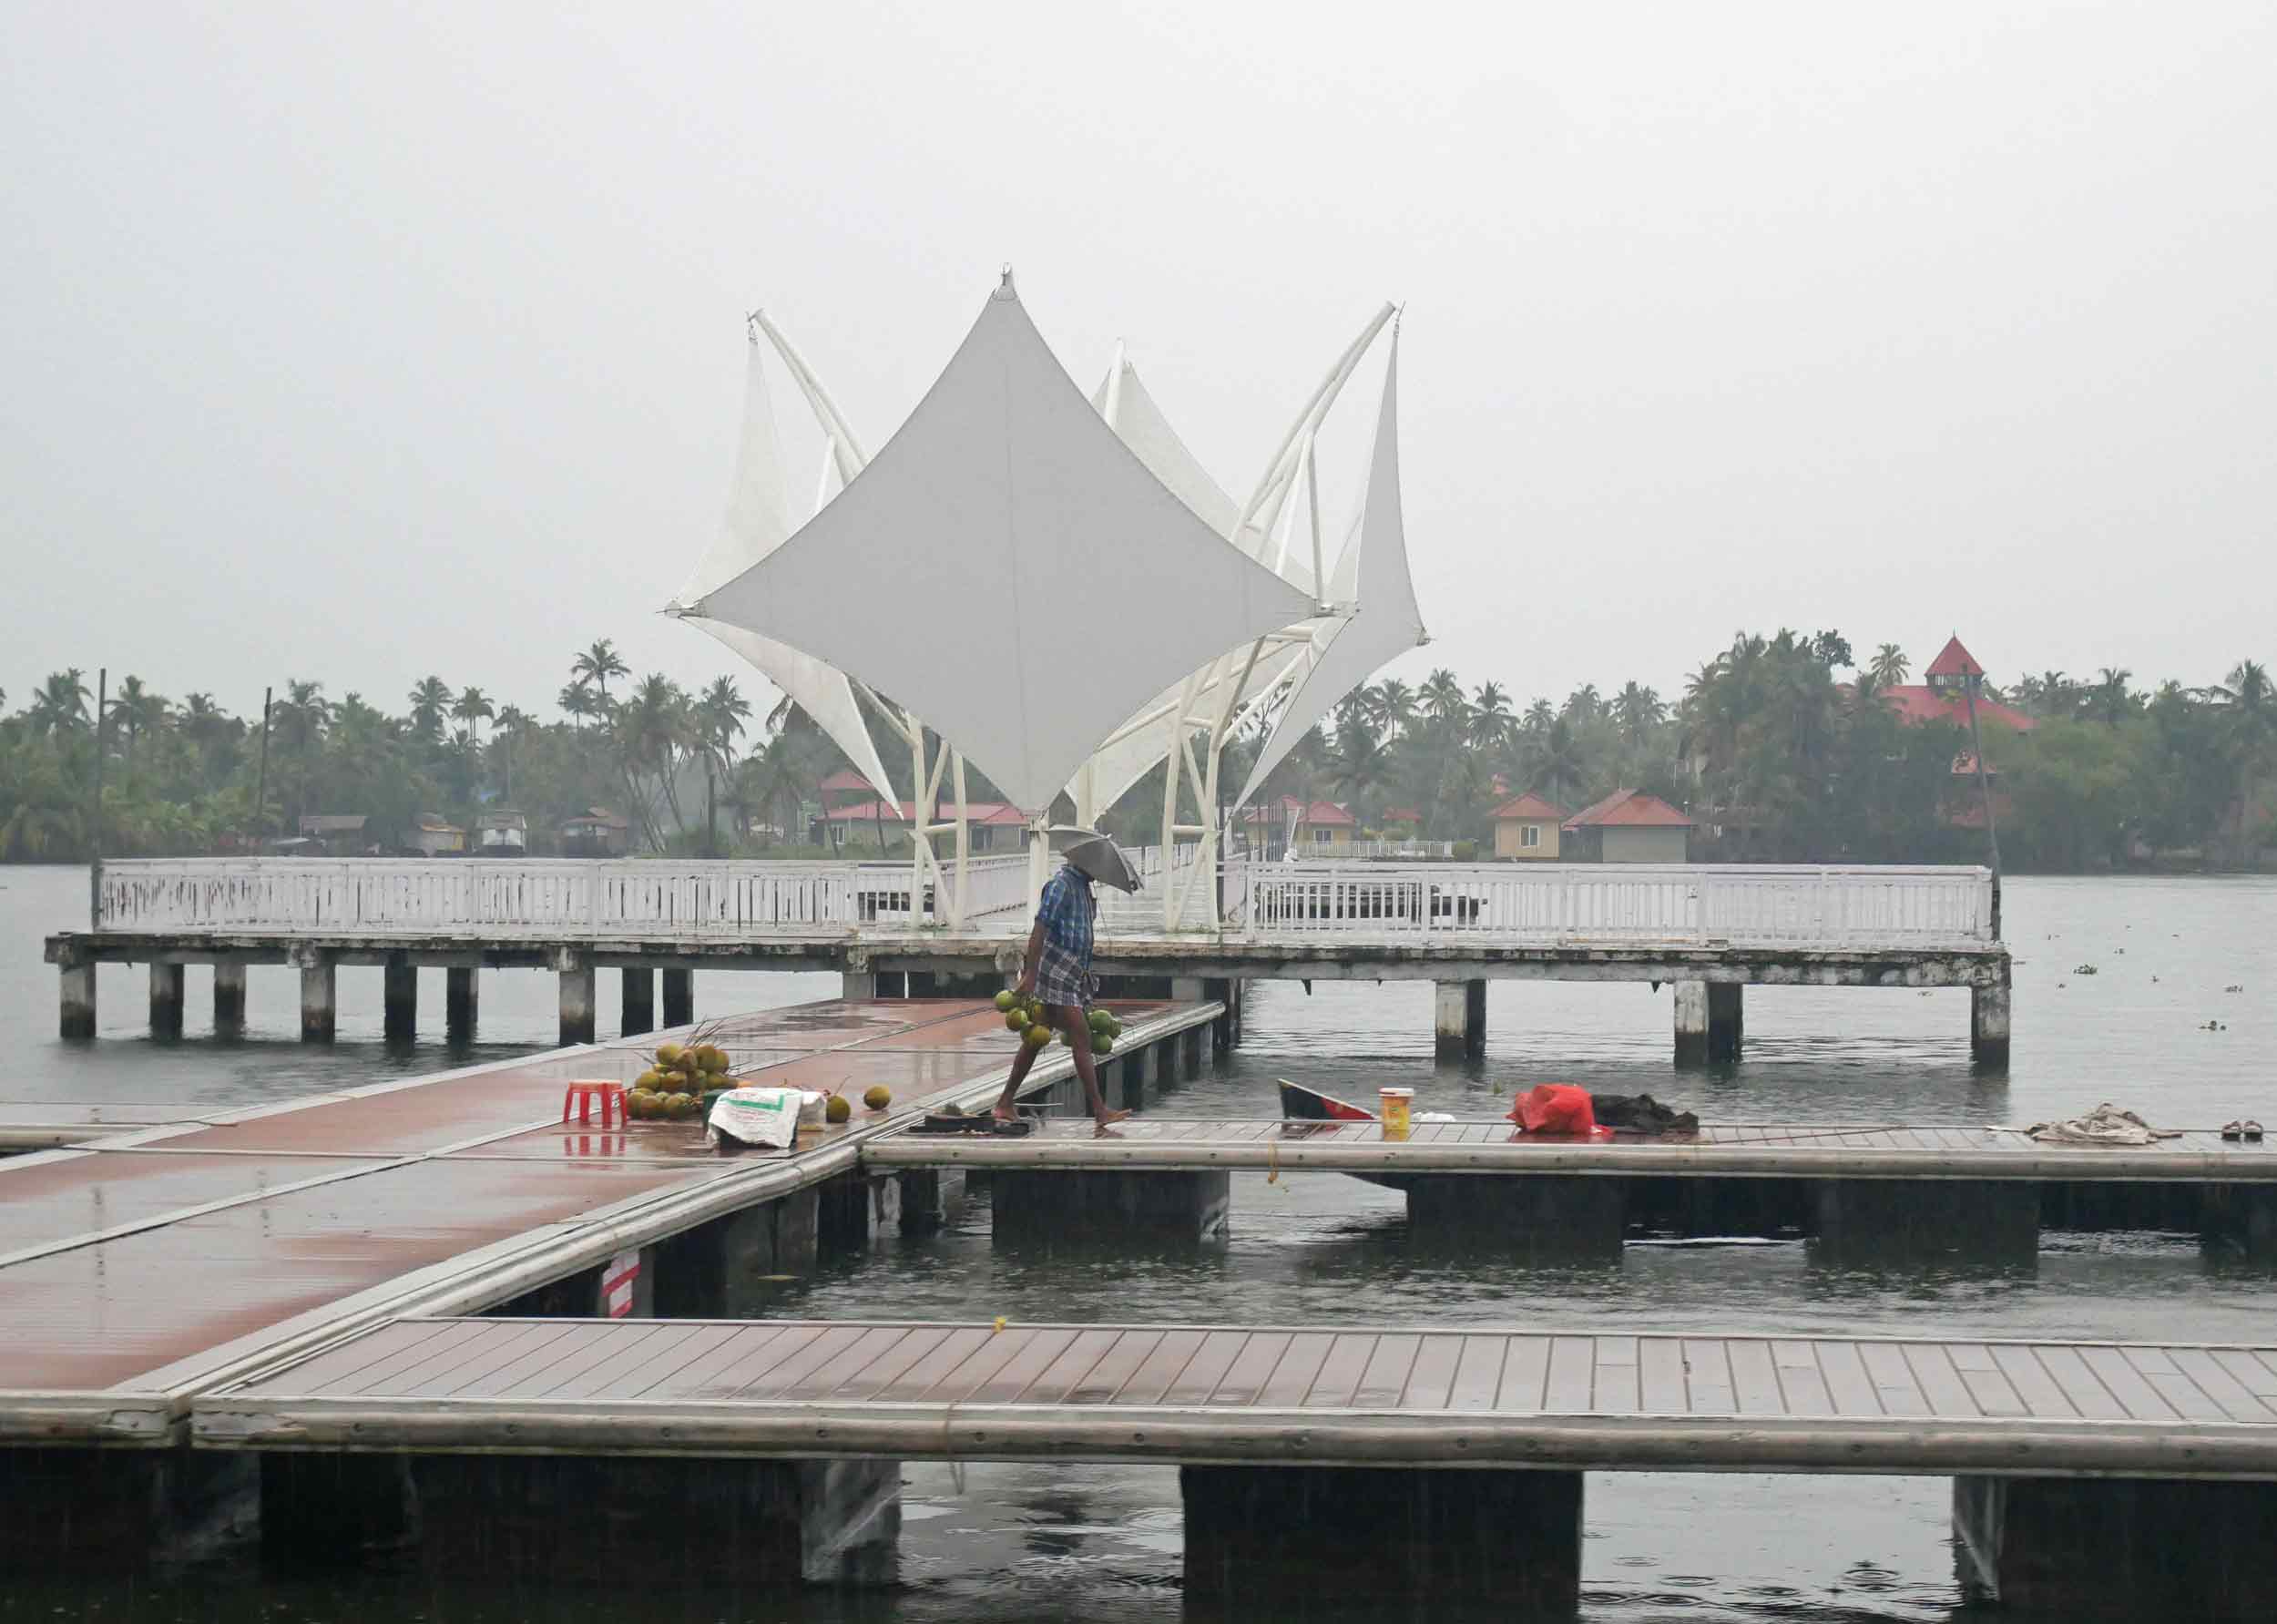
1096,856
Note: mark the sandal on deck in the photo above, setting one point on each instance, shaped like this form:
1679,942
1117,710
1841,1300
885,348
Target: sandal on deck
2234,1130
2250,1128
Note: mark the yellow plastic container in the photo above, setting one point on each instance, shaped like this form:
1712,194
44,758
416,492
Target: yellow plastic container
1397,1108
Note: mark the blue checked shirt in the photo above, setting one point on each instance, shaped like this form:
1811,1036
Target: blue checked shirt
1063,967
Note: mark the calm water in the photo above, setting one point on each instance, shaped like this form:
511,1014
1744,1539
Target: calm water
1102,1544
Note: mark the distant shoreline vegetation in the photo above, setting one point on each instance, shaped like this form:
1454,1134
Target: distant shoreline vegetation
1785,748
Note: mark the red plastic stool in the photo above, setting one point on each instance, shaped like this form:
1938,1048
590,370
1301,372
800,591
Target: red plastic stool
585,1092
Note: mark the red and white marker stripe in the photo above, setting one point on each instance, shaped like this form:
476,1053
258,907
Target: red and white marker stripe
617,1276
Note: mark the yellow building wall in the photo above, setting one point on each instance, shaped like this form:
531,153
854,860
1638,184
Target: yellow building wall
1506,839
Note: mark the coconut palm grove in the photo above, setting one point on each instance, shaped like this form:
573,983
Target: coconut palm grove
1785,747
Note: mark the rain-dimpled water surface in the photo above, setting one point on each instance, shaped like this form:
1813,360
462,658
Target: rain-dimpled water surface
1101,1544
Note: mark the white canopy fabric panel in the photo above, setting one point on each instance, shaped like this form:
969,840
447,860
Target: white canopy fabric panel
1388,623
758,522
1141,423
1011,566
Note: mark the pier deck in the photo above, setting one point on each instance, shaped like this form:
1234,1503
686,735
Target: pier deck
140,1267
1398,1396
1729,1149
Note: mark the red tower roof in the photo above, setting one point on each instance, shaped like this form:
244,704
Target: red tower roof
1953,661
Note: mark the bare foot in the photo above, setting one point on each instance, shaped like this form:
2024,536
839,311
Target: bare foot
1105,1130
1004,1113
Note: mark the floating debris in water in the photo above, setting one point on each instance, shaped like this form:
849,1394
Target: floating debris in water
2213,1027
2084,970
2235,986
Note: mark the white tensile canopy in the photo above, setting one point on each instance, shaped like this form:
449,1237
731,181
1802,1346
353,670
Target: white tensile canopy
1372,572
758,522
1007,563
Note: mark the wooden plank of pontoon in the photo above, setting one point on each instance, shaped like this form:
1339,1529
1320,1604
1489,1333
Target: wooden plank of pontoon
1616,1380
2141,1401
1661,1376
865,1380
1293,1377
1707,1383
384,1341
1384,1380
953,1350
1941,1385
481,1359
2043,1396
1848,1386
1249,1369
1801,1384
1894,1381
1754,1378
1207,1368
1171,1356
2080,1385
756,1348
1115,1368
533,1357
823,1345
1478,1375
2160,1370
2214,1381
1570,1389
1431,1380
1340,1373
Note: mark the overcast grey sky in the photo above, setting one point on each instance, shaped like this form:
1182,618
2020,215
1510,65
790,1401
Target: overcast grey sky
357,342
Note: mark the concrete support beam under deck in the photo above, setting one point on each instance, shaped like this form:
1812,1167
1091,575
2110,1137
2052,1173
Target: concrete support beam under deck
639,982
166,999
2117,1548
229,999
1092,1206
1547,1218
1259,1537
104,1513
462,1002
735,1268
1905,1223
320,998
400,996
625,1523
1458,1019
577,1001
679,998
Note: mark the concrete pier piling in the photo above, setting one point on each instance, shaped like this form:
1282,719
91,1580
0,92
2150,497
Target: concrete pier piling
77,989
166,999
639,983
576,1000
735,1267
400,996
106,1513
1408,1539
1458,1019
462,1002
679,998
1988,1023
320,998
229,999
1711,1022
2117,1548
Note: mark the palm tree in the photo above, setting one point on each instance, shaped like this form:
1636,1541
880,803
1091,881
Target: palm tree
1889,666
298,721
2249,705
2109,699
473,707
429,700
58,705
1555,762
719,717
511,723
1583,704
1490,716
577,701
1638,709
1395,705
139,712
596,665
652,727
1442,697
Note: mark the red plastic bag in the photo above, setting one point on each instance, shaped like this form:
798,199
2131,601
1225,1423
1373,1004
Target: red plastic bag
1555,1108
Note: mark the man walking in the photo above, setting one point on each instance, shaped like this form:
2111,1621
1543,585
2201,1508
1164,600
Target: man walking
1057,968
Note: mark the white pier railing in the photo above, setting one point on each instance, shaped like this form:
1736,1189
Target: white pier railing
477,898
1556,905
1614,902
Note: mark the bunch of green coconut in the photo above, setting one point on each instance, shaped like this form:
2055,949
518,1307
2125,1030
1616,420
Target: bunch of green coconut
681,1084
1025,1017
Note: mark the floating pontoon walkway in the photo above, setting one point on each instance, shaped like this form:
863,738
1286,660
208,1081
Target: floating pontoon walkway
140,1268
1398,1463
